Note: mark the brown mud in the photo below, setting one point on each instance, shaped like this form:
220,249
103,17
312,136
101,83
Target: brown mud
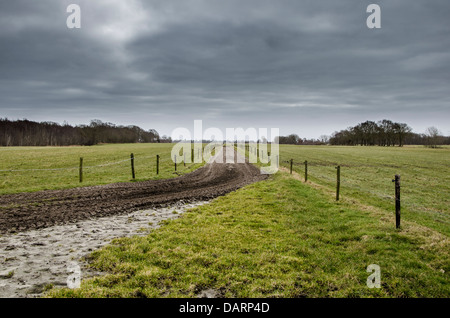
31,211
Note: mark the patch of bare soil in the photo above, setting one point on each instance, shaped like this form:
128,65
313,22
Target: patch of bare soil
26,211
35,260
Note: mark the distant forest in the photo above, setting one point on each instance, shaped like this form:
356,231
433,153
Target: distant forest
369,133
29,133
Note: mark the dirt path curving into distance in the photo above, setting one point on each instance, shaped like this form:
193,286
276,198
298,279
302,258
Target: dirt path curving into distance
29,211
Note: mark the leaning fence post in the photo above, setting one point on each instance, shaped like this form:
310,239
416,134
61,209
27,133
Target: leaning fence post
292,161
157,164
81,169
306,170
338,182
132,166
397,200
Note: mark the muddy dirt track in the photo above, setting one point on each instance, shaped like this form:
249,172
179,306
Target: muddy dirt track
26,211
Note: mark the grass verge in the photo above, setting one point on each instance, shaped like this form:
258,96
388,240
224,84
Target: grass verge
276,238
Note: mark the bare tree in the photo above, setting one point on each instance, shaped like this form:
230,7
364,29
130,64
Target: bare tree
324,138
433,135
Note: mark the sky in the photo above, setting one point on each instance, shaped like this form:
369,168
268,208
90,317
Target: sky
306,67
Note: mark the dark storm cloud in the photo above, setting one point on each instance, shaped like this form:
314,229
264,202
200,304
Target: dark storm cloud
308,67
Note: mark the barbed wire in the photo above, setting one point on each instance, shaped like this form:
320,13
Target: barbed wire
322,178
84,166
162,159
49,169
282,163
107,164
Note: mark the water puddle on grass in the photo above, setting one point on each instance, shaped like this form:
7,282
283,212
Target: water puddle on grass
32,261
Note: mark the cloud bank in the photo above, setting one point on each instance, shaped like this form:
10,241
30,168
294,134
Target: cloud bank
306,67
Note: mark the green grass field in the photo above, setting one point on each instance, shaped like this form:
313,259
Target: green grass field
367,173
277,238
43,168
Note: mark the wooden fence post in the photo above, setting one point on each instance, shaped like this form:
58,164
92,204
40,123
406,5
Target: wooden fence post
132,166
175,161
157,164
292,161
81,169
184,158
192,155
306,170
338,182
397,200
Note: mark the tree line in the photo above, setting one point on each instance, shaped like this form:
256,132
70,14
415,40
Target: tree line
369,133
29,133
294,139
386,133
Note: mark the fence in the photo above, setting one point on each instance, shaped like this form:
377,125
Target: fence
155,163
82,167
23,175
396,180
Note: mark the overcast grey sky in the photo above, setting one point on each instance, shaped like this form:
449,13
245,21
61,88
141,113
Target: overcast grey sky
306,67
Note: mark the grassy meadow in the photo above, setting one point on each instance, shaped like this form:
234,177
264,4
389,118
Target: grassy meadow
27,169
280,237
367,173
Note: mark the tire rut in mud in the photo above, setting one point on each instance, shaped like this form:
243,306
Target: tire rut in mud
25,211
